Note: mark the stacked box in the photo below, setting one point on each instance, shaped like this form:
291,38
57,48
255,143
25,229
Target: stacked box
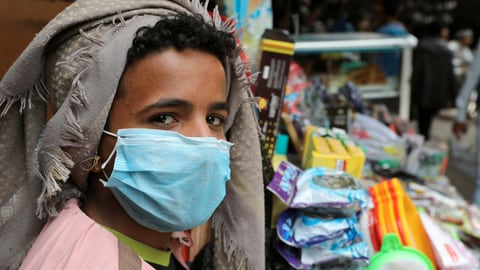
332,148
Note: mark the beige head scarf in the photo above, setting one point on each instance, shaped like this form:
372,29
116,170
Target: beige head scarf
75,64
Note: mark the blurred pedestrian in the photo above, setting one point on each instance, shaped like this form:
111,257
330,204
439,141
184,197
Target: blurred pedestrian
460,126
432,82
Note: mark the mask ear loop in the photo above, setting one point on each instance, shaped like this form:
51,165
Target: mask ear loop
104,164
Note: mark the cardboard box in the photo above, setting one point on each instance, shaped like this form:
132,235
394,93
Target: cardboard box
332,148
276,53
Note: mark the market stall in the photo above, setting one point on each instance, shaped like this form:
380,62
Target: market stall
355,187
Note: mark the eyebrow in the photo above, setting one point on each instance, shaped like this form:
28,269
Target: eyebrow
175,102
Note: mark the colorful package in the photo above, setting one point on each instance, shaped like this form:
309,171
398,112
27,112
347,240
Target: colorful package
318,190
324,190
315,255
300,229
283,182
352,257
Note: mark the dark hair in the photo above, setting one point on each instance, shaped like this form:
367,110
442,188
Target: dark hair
181,31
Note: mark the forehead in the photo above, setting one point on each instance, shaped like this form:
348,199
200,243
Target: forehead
187,74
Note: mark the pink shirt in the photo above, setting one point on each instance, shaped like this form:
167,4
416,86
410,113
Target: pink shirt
74,241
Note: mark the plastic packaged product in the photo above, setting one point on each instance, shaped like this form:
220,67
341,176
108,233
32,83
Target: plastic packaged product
331,148
352,257
283,182
291,255
318,190
300,229
378,141
314,255
310,231
427,162
448,253
329,191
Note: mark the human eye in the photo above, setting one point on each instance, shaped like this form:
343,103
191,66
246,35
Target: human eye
215,120
163,119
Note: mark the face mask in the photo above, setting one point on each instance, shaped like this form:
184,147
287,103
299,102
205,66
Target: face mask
166,181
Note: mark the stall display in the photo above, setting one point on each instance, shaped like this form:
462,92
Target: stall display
342,52
350,198
320,227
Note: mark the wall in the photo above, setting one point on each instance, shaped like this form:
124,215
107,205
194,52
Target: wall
20,20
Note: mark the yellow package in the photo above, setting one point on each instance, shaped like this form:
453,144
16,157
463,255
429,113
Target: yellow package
322,148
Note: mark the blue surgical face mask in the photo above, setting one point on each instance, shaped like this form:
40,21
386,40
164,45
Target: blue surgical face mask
166,181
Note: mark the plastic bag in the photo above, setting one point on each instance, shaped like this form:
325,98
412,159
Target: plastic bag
378,141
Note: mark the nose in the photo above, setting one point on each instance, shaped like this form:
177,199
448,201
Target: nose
197,127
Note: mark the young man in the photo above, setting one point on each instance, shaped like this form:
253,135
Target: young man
144,96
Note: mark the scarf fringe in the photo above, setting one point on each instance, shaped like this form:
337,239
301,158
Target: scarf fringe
7,103
41,89
57,169
52,206
120,24
25,99
197,6
57,163
246,82
79,97
230,24
79,58
233,253
73,133
96,38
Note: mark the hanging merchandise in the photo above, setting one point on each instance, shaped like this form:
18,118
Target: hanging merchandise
254,17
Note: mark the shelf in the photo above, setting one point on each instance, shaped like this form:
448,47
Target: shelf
366,42
356,41
377,91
